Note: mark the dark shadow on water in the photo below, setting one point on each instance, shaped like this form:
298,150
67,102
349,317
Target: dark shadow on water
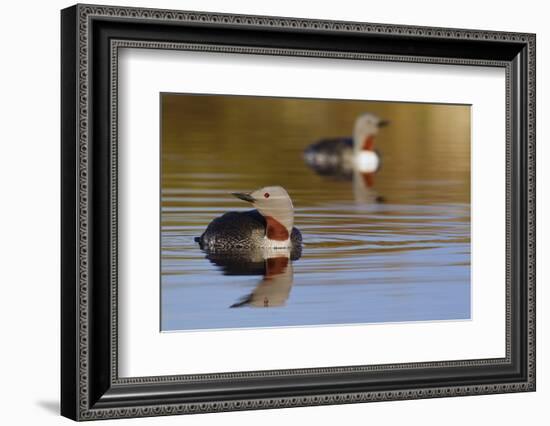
50,406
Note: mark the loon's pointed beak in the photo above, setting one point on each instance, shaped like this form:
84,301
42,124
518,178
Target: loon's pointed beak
244,196
383,123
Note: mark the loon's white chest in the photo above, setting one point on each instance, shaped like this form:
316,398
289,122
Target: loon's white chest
276,244
367,161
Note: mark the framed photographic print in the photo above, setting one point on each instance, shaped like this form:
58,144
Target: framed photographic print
263,212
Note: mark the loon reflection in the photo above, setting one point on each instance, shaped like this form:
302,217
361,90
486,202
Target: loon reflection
274,288
363,189
275,267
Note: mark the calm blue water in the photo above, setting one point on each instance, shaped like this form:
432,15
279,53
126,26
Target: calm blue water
360,263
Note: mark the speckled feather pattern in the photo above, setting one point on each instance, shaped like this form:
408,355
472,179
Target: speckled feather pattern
239,230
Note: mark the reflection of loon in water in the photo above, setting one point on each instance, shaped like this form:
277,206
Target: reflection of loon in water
274,264
249,262
363,189
340,157
274,288
269,226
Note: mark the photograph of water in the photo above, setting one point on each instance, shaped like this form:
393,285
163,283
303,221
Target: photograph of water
346,212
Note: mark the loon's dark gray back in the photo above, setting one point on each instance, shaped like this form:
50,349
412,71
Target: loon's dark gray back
238,230
326,157
332,146
234,229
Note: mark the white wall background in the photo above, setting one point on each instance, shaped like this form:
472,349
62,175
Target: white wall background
29,212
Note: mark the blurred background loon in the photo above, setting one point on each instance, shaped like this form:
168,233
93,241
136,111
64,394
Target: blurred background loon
341,156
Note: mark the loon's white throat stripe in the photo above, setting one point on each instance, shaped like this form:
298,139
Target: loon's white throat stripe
275,244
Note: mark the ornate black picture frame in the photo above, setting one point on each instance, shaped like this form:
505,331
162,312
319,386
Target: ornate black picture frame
91,37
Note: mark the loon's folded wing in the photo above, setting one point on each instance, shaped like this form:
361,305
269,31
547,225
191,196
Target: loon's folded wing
233,229
331,157
330,146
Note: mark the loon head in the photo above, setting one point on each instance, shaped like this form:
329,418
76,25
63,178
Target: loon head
275,205
366,128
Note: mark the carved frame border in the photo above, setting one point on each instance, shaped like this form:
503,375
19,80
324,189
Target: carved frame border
85,14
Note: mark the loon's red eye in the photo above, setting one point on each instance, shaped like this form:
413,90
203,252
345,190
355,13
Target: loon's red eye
266,195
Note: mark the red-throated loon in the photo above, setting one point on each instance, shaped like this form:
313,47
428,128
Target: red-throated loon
269,226
347,154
